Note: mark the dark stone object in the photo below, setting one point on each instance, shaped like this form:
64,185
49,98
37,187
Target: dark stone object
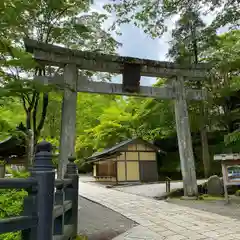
131,78
215,186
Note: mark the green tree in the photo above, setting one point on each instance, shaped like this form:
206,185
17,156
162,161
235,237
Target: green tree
186,47
64,22
226,84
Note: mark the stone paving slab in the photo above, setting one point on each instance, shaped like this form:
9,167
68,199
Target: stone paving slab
162,220
153,189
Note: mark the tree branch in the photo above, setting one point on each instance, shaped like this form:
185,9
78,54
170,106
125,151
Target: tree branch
52,24
34,116
24,102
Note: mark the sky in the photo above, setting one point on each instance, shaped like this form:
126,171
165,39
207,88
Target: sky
135,43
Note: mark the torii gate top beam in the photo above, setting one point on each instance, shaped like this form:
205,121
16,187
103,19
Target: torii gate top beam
58,56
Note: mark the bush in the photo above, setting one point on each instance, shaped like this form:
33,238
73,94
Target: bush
84,167
11,204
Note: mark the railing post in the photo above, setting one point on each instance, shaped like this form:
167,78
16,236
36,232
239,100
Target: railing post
30,209
71,193
59,221
43,171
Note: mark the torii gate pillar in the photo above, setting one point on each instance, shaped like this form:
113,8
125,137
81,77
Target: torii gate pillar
68,123
184,139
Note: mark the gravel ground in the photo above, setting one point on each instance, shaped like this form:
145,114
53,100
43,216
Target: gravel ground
100,223
151,190
220,207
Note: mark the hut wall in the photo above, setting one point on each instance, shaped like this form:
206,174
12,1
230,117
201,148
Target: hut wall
136,163
121,171
94,170
132,170
147,156
105,168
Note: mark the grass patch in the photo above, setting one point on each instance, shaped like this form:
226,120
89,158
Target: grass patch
207,197
203,197
81,238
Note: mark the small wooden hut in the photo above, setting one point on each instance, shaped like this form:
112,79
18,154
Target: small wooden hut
133,160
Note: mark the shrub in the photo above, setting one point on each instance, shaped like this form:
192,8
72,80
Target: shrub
11,204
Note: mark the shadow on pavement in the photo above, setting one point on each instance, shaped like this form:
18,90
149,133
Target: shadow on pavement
100,223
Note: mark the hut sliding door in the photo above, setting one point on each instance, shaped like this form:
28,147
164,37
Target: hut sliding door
128,171
132,170
148,171
121,171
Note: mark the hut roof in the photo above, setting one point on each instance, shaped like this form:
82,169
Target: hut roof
107,152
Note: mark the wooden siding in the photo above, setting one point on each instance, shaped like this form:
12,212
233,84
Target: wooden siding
132,147
148,171
128,167
147,156
121,157
106,179
141,147
94,170
105,168
121,171
133,171
131,156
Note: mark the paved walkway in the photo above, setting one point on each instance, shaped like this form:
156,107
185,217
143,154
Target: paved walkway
153,189
159,220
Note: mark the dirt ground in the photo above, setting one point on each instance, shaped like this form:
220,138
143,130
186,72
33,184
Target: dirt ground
215,206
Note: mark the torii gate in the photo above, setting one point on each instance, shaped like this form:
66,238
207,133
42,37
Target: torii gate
132,69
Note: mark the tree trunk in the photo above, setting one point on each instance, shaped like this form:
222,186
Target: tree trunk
30,149
204,142
203,117
2,170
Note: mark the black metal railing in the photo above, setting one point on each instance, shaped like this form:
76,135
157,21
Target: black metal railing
50,210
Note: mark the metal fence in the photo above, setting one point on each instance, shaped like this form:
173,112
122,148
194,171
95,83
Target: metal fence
50,211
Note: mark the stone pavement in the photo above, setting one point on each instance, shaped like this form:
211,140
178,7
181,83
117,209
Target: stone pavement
153,189
160,220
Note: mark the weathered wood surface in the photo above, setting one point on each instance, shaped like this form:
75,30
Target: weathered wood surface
83,85
68,123
185,140
58,56
227,157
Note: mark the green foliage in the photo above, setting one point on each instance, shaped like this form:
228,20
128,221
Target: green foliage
11,204
81,238
2,162
232,138
152,16
69,23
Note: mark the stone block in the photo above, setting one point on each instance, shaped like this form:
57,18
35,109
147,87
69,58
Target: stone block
215,186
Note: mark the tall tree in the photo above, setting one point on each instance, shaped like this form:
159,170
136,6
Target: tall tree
60,22
226,84
186,48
